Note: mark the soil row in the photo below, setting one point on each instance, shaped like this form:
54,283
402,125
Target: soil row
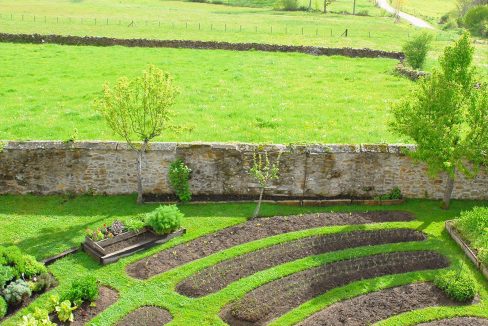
373,307
250,231
146,316
191,44
217,277
87,311
273,299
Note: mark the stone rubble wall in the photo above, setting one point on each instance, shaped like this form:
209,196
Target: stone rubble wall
330,171
190,44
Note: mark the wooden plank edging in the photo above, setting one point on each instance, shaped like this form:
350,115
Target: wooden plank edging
451,229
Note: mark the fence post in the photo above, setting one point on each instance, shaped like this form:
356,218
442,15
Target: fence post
302,30
107,21
225,27
271,29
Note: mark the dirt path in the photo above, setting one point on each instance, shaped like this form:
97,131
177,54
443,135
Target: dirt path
415,21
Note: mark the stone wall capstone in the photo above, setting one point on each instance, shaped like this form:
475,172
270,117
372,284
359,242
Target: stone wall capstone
219,169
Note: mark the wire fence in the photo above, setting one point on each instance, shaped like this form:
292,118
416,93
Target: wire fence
217,27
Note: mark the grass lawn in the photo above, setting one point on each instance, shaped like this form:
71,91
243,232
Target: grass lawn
201,21
51,224
48,90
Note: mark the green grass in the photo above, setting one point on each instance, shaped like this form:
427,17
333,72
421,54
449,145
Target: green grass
225,96
187,20
431,9
51,224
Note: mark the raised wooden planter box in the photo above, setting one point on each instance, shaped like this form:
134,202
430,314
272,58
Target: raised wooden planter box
466,248
111,250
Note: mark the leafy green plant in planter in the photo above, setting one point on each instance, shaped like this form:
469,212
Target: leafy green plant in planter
134,224
81,290
41,282
458,285
164,219
473,225
3,307
65,311
16,292
179,174
394,194
40,317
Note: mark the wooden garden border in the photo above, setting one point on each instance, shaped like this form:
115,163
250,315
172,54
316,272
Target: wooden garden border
451,229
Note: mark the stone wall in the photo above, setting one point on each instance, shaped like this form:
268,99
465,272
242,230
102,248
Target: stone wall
191,44
221,169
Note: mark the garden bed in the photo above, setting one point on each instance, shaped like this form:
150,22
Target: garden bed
110,250
471,253
249,231
283,200
217,277
146,316
88,311
273,299
373,307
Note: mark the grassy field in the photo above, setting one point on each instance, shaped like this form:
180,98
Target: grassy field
187,20
48,90
51,224
432,9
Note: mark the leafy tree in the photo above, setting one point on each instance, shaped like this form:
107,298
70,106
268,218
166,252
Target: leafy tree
476,20
138,110
447,116
416,50
264,172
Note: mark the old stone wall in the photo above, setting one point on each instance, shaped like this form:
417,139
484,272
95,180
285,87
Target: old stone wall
191,44
222,169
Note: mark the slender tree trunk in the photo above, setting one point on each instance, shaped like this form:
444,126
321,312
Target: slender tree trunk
140,155
448,191
309,5
258,208
325,6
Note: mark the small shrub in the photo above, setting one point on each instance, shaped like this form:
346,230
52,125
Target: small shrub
416,50
362,13
3,307
23,265
65,311
6,275
42,282
458,285
16,292
476,20
81,290
179,174
394,194
164,219
289,5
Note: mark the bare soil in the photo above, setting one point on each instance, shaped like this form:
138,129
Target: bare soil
373,307
119,245
217,277
460,321
146,316
273,299
249,231
86,312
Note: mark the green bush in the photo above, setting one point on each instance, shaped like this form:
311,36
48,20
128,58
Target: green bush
81,290
473,225
23,265
164,219
3,307
395,193
6,275
16,292
476,20
42,282
134,224
458,285
290,5
416,50
179,174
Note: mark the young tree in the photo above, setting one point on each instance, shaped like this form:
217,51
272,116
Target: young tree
416,50
138,110
326,3
446,115
264,172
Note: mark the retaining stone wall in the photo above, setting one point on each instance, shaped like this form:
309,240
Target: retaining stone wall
221,169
